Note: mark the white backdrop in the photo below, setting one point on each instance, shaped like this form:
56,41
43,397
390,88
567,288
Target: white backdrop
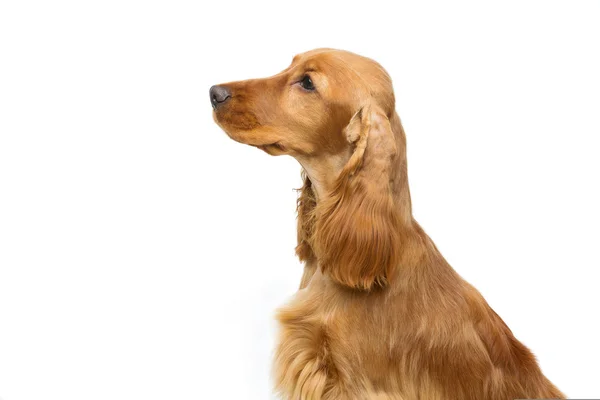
142,252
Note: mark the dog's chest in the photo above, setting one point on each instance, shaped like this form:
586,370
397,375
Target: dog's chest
303,358
322,342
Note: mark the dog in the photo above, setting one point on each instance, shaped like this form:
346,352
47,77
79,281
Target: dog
380,314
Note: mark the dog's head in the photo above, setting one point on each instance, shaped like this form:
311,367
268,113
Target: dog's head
334,112
303,109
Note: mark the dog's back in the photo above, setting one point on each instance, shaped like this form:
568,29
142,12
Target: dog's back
431,336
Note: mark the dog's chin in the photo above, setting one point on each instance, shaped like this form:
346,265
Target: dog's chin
274,149
249,137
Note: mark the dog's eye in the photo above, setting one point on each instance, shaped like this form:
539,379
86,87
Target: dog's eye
307,83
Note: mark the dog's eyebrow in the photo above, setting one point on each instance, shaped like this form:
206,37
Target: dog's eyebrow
293,69
290,68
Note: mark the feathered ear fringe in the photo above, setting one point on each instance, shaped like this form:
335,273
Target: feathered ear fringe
356,235
305,207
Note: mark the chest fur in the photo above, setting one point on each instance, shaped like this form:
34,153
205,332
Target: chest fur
303,365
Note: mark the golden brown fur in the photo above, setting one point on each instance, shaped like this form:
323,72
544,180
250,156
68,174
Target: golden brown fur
380,314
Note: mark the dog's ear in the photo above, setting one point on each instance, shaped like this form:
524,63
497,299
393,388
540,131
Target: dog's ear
357,232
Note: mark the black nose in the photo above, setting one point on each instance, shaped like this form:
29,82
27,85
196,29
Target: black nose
219,95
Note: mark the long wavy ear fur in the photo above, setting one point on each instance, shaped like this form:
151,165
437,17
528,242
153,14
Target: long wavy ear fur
306,220
356,234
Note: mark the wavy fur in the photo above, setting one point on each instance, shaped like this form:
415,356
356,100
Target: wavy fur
380,314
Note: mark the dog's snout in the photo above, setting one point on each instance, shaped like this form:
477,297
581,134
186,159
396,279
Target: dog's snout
219,95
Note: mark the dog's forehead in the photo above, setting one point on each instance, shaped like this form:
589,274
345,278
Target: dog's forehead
319,57
338,60
313,53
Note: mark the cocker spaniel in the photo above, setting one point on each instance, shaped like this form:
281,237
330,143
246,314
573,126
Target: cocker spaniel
380,314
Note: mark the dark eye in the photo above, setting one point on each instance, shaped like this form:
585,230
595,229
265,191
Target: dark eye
307,83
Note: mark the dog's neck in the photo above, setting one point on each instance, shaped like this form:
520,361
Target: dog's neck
323,171
399,177
323,195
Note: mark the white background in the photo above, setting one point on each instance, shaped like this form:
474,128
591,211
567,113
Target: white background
142,252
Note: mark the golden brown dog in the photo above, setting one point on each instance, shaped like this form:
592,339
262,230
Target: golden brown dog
380,314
